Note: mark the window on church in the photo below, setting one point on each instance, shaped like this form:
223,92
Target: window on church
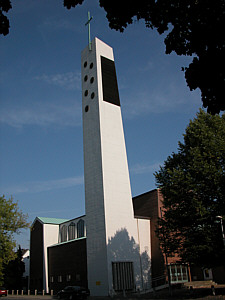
178,273
80,228
72,231
63,233
68,277
77,277
123,276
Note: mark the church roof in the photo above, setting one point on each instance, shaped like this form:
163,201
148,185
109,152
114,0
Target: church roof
55,221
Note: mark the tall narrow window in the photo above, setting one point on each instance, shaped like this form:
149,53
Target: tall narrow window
80,228
68,277
123,276
72,231
63,233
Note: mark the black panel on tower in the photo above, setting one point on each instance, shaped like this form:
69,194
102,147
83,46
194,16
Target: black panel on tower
109,81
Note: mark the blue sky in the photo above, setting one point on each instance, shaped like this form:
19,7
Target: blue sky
41,151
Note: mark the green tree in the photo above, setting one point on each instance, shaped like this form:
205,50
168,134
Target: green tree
13,272
5,6
11,221
192,183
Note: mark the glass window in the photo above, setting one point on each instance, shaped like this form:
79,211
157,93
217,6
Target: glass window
80,228
60,278
77,277
68,277
178,273
72,231
63,233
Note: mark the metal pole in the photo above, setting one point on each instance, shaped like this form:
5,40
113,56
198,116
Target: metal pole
165,252
221,226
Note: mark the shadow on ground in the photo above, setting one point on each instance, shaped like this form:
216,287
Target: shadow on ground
177,293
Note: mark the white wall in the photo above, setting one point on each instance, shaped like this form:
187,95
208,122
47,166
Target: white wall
144,240
26,260
50,237
94,196
109,208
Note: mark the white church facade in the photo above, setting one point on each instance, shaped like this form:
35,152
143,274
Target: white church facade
113,248
108,200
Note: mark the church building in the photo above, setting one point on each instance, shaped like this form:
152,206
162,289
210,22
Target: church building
112,248
108,249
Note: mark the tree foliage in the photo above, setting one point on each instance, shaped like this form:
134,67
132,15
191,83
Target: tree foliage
11,221
192,27
192,183
13,272
5,6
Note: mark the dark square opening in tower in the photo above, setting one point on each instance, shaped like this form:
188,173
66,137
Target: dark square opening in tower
109,81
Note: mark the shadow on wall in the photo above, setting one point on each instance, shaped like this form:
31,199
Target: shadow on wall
123,248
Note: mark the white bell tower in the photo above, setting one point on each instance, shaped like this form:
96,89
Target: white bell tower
112,232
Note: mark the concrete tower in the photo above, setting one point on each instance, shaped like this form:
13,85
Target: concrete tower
113,235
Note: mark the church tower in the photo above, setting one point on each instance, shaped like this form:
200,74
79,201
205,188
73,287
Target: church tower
113,252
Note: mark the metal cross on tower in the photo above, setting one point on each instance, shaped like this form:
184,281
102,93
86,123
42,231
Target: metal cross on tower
89,30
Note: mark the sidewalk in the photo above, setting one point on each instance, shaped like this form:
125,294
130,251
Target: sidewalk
177,293
38,297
